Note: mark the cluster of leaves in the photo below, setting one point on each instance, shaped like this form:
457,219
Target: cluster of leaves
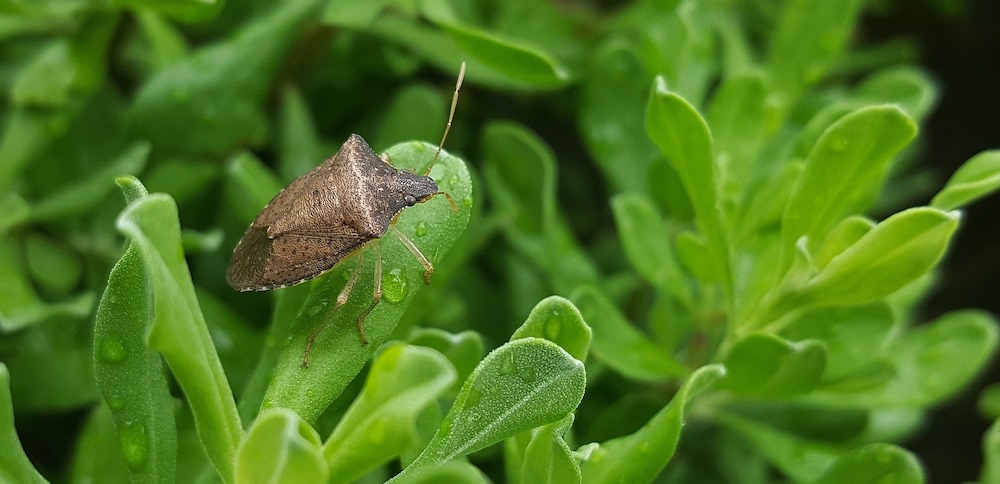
741,290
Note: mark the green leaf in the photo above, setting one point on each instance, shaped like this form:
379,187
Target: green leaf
130,375
299,144
616,460
83,195
854,337
682,135
874,463
14,465
280,447
616,87
799,458
559,321
768,366
844,172
179,331
15,211
250,185
523,384
975,179
521,175
456,471
810,35
417,111
94,459
737,118
895,252
212,99
548,458
506,55
54,267
183,10
382,421
463,350
991,454
932,362
338,355
644,237
843,235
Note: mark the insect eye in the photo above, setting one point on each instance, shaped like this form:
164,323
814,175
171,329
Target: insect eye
409,199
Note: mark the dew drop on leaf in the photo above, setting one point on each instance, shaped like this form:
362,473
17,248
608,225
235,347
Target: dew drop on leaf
394,286
115,402
112,350
467,201
527,374
135,446
421,229
508,366
453,181
475,395
553,326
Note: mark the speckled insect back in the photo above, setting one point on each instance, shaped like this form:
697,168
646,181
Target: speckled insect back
324,216
328,214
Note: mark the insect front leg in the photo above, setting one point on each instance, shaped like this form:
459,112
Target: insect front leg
428,267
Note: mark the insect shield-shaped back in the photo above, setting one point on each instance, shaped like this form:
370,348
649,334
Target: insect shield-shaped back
322,217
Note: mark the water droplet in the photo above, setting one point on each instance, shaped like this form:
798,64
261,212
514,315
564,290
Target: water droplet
394,286
419,147
467,201
421,229
838,143
310,393
135,446
508,366
475,396
452,181
527,374
267,403
553,326
115,402
112,350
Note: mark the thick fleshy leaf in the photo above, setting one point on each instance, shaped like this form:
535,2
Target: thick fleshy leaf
280,447
14,465
682,135
179,331
975,179
622,346
548,458
931,362
382,421
895,252
647,244
212,99
131,376
559,321
765,365
337,353
616,460
844,172
523,384
874,464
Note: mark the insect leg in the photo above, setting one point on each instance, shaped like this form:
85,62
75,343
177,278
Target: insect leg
428,267
376,293
345,293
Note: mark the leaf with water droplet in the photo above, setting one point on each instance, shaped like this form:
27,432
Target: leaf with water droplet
130,375
558,320
844,172
507,403
403,381
337,353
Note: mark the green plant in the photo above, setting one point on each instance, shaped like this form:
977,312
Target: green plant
738,313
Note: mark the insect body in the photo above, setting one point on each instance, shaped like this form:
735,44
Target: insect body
326,215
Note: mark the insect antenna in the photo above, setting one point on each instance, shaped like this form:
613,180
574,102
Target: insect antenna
451,116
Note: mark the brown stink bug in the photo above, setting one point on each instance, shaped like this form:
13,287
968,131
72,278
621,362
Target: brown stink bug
329,214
